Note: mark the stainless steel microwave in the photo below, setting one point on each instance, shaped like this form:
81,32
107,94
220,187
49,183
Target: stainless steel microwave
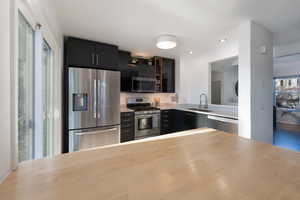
143,85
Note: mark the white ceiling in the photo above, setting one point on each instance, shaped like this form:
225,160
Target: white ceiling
198,24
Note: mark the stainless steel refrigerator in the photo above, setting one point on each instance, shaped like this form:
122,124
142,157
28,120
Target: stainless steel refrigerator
94,108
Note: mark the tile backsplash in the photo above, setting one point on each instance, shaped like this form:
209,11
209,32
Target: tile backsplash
164,97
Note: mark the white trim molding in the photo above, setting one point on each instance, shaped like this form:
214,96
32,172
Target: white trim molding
2,179
33,12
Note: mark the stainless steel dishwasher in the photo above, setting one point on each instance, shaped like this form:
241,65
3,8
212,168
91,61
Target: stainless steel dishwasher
225,124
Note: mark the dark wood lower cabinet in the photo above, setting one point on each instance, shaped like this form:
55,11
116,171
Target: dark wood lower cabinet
127,126
194,120
166,121
177,120
170,121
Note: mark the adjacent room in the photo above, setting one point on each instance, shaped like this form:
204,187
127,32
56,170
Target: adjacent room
286,95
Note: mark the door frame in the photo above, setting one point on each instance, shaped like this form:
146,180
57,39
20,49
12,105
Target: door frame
33,16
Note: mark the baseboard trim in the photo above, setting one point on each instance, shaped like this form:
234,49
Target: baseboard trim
5,176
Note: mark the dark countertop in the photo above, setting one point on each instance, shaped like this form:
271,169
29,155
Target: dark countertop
219,111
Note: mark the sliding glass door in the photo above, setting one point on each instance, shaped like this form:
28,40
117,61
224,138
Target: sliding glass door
47,98
35,94
25,90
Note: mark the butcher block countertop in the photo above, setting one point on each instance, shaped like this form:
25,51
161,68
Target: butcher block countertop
199,164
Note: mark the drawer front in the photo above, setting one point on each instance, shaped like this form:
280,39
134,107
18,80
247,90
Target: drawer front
165,117
165,112
127,121
127,114
127,126
127,134
127,118
165,122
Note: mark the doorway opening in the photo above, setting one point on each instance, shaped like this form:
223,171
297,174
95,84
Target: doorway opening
286,115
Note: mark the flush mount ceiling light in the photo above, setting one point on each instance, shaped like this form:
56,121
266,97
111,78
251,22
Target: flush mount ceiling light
166,42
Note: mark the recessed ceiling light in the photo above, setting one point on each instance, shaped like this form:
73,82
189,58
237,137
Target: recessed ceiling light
166,42
222,40
191,52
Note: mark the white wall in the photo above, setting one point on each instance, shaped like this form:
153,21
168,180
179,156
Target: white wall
8,11
245,81
194,69
287,65
255,77
42,11
287,49
288,68
5,95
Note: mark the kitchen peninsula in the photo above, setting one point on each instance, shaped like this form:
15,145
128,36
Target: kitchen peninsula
195,164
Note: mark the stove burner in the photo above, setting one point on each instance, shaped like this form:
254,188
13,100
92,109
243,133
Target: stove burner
141,106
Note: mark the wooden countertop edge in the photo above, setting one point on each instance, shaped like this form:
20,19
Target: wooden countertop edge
21,185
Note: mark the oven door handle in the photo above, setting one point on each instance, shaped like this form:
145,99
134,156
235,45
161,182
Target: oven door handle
144,116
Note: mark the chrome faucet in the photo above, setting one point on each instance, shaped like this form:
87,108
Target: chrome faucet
206,104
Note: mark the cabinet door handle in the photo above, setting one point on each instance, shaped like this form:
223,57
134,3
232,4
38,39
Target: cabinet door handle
126,119
97,58
93,59
126,114
126,126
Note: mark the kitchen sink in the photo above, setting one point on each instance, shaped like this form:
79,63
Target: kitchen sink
200,109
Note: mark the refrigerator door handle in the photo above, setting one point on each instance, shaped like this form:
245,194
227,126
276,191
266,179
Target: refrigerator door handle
95,99
94,137
96,132
97,57
99,99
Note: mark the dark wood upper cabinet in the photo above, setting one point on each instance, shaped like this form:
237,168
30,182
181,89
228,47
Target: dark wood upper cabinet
85,53
124,59
106,55
165,74
168,75
79,53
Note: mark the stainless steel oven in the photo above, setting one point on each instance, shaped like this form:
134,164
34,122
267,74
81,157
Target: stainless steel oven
141,84
147,124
